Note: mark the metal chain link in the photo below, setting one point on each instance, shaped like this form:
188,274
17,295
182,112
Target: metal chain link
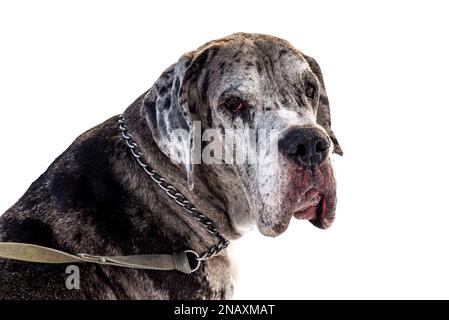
178,197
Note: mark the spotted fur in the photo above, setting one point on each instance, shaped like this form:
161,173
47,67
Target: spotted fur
95,198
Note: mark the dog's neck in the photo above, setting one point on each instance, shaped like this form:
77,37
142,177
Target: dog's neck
206,196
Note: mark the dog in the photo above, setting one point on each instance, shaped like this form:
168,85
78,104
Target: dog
96,197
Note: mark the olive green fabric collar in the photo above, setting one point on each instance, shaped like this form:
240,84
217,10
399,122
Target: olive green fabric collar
33,253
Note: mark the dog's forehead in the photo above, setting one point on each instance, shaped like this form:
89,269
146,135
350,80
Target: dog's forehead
257,65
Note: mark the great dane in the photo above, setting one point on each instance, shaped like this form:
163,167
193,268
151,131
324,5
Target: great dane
96,197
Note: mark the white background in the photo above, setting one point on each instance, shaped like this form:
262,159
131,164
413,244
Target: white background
67,66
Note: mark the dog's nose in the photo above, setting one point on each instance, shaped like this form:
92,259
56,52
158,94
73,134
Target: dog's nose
308,147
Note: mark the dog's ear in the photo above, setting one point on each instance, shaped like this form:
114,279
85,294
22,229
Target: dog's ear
170,114
323,113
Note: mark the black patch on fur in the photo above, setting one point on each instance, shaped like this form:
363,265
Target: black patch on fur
222,294
209,117
222,68
29,230
205,86
90,187
192,107
259,66
199,63
166,104
162,89
201,60
150,104
324,100
282,52
213,52
269,68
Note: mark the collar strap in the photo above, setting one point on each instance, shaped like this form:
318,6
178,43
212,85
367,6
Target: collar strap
33,253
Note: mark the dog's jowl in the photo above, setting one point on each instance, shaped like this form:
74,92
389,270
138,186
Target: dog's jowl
142,184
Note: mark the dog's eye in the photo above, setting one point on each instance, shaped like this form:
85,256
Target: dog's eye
310,90
235,104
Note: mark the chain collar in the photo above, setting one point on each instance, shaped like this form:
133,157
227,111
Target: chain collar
177,197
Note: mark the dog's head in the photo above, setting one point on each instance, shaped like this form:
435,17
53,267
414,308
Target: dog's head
268,104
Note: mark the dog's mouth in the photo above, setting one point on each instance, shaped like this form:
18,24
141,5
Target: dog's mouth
313,196
304,194
315,208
